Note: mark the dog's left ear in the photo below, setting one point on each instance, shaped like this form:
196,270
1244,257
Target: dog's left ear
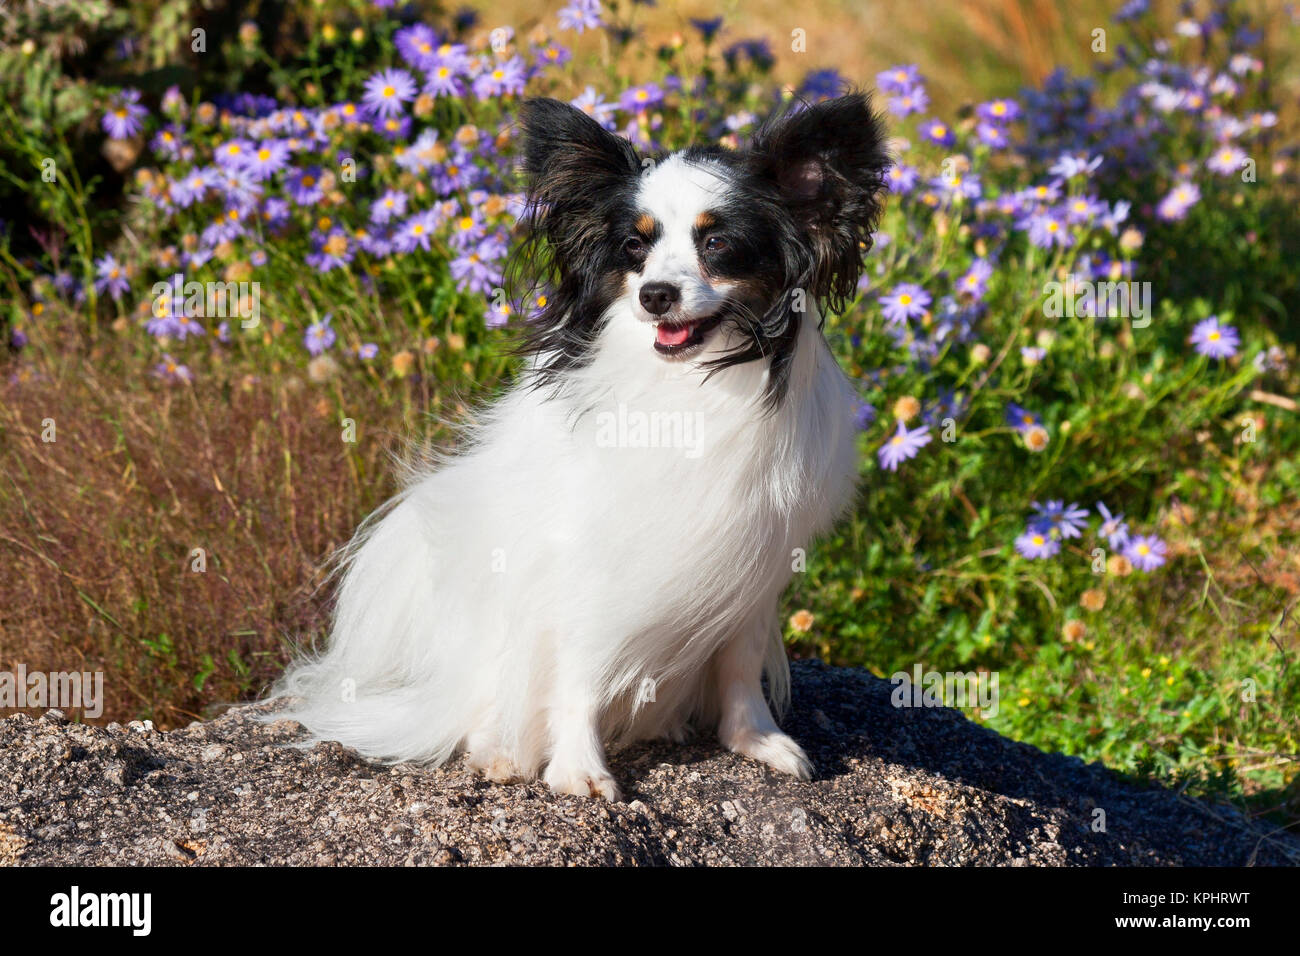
828,162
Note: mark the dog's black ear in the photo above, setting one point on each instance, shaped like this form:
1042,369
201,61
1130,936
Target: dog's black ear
575,170
828,162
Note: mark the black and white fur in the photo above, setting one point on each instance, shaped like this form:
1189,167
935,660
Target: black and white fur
543,595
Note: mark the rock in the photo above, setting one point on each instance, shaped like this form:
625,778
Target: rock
893,787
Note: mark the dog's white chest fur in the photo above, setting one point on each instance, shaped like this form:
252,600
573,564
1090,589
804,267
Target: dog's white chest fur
564,550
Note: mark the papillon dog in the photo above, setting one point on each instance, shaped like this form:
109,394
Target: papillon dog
603,560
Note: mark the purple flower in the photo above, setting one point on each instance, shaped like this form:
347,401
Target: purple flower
975,282
1214,340
991,135
1067,166
864,416
167,142
416,232
1022,419
367,350
1046,231
901,179
416,45
1037,545
640,98
1145,551
303,186
190,188
319,336
330,250
998,111
938,132
896,79
551,55
902,445
580,15
1181,198
1113,528
908,101
1056,516
591,103
268,158
1227,160
391,203
125,116
232,154
505,78
905,301
172,371
111,277
387,90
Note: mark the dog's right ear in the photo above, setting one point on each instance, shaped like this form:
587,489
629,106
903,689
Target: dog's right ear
574,166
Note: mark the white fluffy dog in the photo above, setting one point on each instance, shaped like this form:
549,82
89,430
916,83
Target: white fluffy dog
603,560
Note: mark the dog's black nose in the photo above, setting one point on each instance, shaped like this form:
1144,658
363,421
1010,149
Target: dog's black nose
659,297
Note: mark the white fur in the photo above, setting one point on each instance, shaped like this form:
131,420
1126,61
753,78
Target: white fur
524,600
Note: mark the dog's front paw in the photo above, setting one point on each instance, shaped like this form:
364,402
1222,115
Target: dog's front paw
582,782
777,750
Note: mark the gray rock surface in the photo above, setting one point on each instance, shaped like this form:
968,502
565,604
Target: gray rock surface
918,786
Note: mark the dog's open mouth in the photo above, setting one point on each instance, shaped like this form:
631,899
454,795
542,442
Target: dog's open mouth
677,338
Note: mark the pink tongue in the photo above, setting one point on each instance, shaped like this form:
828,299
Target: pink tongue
672,335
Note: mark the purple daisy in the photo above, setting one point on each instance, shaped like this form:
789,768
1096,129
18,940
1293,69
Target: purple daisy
1022,419
1145,551
1214,340
998,111
319,336
266,159
386,91
938,132
902,445
125,116
1057,516
896,79
303,186
580,15
1181,198
905,301
975,282
1037,545
391,204
111,277
1113,528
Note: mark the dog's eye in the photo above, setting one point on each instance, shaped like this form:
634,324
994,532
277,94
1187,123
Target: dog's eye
634,246
715,244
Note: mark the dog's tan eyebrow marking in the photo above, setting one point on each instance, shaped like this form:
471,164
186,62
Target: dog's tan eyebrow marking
646,225
705,220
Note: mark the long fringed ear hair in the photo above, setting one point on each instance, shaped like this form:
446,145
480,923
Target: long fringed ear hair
580,179
824,164
828,163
